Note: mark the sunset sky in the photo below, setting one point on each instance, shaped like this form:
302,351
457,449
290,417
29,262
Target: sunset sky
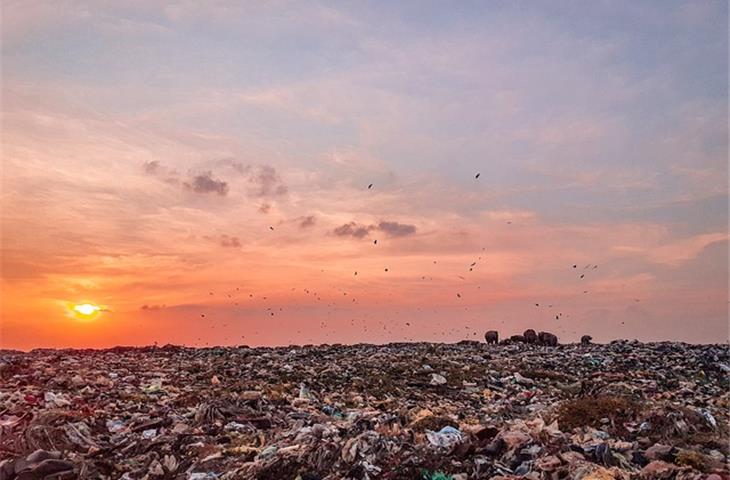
200,171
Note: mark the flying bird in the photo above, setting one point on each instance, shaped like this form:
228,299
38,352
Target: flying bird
477,175
370,186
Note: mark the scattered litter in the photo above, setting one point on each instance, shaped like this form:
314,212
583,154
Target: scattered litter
447,437
114,426
437,379
515,409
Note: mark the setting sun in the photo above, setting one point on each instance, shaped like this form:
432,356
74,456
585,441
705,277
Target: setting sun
87,308
86,311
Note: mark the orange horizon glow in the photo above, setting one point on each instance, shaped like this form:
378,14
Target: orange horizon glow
222,175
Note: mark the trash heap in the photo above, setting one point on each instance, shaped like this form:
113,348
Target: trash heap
461,411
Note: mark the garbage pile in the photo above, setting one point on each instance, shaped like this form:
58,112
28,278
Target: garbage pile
461,411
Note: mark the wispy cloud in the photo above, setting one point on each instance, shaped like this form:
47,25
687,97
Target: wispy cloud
395,229
391,229
308,221
152,307
206,183
230,242
675,252
265,182
353,229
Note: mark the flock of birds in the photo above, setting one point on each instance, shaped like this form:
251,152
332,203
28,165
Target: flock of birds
368,322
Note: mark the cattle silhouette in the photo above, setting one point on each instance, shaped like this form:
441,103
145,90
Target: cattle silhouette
548,339
530,336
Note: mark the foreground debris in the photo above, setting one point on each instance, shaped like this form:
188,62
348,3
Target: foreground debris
399,411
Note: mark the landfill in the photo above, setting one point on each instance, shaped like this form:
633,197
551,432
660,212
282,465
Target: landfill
623,410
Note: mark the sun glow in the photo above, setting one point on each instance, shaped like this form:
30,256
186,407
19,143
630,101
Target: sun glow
85,311
87,308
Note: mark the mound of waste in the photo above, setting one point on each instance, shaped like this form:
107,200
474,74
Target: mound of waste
461,411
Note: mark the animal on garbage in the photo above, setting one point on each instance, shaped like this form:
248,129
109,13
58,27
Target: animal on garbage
586,340
530,336
548,339
492,336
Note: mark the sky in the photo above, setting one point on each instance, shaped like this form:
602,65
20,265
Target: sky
201,170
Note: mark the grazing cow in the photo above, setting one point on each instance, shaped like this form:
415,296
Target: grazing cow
491,336
586,340
530,336
548,339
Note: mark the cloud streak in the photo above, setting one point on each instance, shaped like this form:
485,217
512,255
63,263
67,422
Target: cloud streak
265,182
389,228
353,229
395,229
205,183
307,222
230,242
